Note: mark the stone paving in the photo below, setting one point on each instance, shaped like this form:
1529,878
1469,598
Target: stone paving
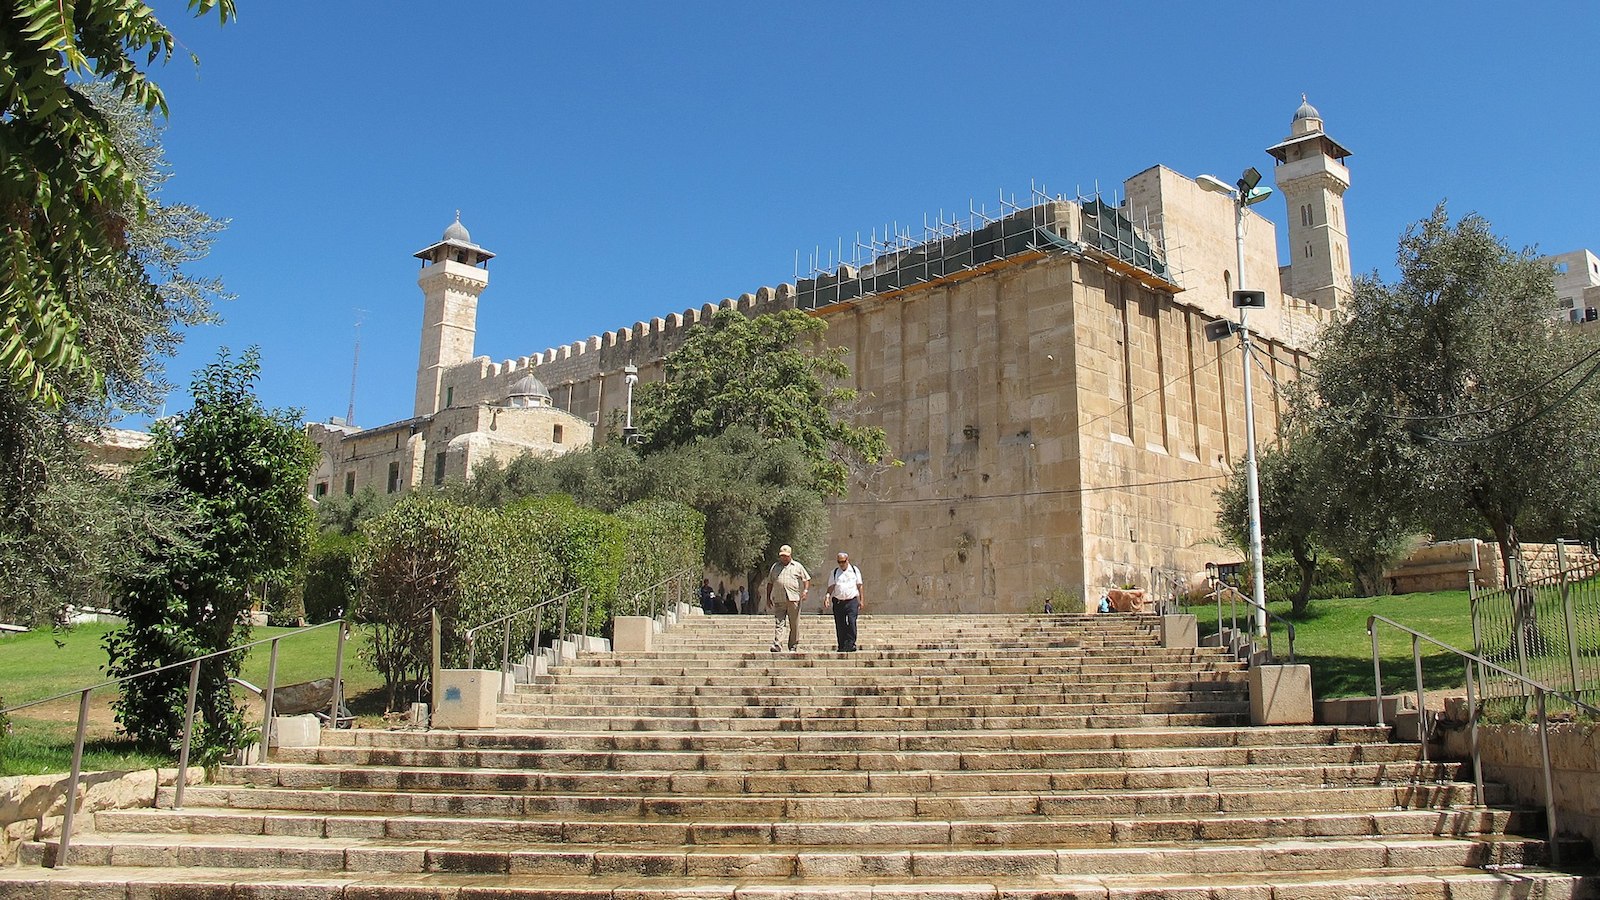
952,757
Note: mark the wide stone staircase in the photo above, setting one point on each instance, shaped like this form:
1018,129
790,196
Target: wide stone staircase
952,757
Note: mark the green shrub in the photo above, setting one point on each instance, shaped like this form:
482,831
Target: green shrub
424,553
662,539
327,589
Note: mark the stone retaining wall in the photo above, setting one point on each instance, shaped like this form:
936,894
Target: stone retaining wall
1510,755
31,805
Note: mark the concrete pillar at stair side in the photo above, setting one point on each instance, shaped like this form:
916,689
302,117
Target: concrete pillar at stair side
633,634
466,698
1280,695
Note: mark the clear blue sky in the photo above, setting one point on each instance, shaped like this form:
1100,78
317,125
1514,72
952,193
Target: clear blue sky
627,160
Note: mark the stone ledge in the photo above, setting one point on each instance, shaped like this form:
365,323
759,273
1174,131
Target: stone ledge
31,806
1510,755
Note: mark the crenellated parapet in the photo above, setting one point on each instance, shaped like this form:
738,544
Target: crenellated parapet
577,374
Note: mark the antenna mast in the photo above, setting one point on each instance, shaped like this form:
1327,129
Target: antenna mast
355,364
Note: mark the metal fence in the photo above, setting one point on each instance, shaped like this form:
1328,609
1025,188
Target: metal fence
1544,628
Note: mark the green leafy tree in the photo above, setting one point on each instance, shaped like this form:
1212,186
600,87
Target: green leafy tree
1455,394
755,494
241,472
70,197
65,525
604,476
770,373
1290,509
421,555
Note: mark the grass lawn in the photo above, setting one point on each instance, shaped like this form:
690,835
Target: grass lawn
1332,638
39,664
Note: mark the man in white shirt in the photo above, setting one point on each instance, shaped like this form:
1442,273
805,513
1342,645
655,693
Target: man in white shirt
844,592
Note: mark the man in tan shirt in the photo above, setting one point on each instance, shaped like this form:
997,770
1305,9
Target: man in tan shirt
795,582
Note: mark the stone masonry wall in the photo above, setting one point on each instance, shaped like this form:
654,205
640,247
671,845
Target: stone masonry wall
1511,756
1061,425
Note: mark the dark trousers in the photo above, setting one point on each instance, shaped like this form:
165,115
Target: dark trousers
845,613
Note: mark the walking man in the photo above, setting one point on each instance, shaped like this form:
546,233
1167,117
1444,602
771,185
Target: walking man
844,592
794,582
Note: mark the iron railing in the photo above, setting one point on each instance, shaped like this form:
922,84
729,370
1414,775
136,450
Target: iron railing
662,595
1546,629
1245,638
1474,708
537,610
1168,588
71,800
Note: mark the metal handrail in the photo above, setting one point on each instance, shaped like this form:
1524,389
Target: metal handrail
1473,708
1250,601
537,607
74,779
639,594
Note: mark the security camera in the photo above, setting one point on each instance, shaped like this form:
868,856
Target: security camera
630,374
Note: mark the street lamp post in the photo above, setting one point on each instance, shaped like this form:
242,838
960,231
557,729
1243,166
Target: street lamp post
1247,192
630,375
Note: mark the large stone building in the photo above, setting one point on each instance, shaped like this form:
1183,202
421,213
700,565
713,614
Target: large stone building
1044,376
447,435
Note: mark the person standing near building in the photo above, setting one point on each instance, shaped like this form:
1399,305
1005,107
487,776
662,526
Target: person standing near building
844,593
794,582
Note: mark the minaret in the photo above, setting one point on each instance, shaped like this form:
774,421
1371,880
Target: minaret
454,273
1312,178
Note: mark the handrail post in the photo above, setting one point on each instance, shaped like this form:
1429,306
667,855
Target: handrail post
586,597
1519,622
1473,709
267,701
505,649
437,661
1549,788
538,633
1422,704
1566,613
188,734
71,800
1477,625
1216,591
1377,672
337,703
562,647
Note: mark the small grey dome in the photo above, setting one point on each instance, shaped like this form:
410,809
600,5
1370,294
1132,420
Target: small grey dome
1306,110
528,391
457,231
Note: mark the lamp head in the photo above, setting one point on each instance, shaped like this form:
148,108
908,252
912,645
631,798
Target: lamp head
1249,180
1213,184
1256,195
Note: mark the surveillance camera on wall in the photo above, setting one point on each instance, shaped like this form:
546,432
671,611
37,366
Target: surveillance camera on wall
630,373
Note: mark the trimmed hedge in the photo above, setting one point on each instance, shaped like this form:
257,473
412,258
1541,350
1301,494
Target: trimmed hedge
476,565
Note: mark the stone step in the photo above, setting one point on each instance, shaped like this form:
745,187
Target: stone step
879,655
845,709
961,757
1192,789
788,662
662,861
585,679
1033,831
1089,688
1022,739
835,723
1459,883
833,759
1138,798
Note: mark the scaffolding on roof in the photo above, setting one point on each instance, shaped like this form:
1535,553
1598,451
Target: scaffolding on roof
899,258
